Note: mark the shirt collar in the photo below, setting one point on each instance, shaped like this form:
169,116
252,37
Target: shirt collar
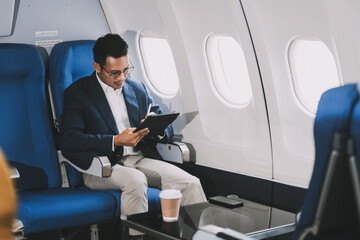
106,88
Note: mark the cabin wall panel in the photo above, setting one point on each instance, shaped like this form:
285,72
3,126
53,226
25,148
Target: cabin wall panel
235,139
273,28
344,17
72,19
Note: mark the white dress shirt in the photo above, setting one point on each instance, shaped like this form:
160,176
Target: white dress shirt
116,101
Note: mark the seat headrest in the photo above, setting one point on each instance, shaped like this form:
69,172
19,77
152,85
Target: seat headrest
19,60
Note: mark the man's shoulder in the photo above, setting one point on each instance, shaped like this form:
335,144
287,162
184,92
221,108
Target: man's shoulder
79,84
136,85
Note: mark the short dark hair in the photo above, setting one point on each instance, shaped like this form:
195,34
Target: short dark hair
109,45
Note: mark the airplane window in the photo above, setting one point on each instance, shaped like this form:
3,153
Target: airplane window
313,70
229,69
159,65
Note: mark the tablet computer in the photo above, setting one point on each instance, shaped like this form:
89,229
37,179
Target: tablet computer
157,123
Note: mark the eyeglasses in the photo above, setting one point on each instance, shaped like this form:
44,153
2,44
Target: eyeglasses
116,74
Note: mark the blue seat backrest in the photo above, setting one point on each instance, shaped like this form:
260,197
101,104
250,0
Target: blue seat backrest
25,132
69,61
333,115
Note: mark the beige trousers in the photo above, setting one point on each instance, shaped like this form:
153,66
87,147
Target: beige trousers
137,174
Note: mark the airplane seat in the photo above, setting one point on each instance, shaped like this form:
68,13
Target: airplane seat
27,142
327,211
70,61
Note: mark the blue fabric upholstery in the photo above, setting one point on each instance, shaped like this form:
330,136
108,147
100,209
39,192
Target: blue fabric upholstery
333,115
153,200
25,134
60,208
70,61
27,141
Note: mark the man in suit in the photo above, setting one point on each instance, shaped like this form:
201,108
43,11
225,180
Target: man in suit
100,113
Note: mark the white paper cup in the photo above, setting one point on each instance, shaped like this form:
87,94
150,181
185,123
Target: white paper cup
170,204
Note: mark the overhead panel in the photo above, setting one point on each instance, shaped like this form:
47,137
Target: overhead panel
6,17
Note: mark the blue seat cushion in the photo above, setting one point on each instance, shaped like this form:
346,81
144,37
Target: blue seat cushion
63,207
153,200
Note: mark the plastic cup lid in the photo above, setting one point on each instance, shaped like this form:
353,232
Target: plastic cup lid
170,194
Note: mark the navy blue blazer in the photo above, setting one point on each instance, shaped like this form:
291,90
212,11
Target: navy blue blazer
87,124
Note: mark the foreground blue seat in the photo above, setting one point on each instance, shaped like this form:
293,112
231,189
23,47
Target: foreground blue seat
70,61
27,141
328,209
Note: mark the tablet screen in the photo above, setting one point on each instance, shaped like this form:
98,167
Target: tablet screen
157,123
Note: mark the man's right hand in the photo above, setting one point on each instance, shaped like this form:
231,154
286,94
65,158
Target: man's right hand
130,139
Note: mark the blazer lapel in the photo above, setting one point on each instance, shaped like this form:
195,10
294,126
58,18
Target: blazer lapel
98,97
131,104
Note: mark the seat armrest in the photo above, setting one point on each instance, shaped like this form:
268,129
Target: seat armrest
100,166
14,173
176,152
273,232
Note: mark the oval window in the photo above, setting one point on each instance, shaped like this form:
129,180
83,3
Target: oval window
313,71
159,65
229,69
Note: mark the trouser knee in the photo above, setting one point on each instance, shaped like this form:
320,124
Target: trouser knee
195,183
138,185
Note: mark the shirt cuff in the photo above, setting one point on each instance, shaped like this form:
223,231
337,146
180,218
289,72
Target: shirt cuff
113,144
